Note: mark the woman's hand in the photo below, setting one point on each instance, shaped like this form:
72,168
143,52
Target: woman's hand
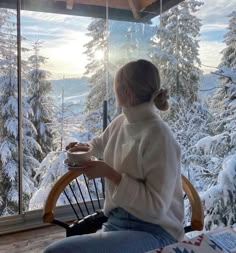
95,169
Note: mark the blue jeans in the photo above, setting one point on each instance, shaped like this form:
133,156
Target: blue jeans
122,233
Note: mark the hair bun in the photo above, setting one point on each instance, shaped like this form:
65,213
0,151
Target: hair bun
161,100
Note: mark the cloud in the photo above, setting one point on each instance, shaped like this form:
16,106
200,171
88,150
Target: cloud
42,16
216,12
214,16
51,21
65,54
210,54
213,27
64,38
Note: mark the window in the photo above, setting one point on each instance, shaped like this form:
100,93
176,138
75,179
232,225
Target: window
57,91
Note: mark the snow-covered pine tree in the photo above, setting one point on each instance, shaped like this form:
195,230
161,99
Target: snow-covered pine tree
40,100
4,15
226,71
223,102
128,42
9,130
229,53
175,50
96,69
189,124
128,49
52,168
49,171
67,124
219,198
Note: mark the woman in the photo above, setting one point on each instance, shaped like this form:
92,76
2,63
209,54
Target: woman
141,167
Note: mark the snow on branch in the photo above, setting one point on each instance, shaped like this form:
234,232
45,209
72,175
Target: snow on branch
226,72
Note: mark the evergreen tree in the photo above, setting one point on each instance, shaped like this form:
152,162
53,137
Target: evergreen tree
67,125
127,51
175,50
189,124
229,53
4,15
220,197
39,90
220,177
51,169
96,69
129,47
130,41
9,119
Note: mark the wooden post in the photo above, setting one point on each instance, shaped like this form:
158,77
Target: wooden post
104,114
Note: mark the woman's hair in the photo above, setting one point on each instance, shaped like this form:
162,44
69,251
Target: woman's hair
138,82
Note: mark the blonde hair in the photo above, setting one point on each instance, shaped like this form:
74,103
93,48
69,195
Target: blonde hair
138,82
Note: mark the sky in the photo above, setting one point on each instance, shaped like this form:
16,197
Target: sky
214,16
64,37
63,40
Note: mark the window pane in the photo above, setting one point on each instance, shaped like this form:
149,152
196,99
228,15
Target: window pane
57,81
8,113
128,41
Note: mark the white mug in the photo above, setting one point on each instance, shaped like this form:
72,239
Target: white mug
78,154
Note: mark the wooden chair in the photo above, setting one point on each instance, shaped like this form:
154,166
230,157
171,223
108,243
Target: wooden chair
197,217
91,207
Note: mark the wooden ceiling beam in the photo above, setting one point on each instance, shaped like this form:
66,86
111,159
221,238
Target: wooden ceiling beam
118,9
135,8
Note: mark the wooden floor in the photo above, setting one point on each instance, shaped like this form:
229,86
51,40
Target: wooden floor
31,241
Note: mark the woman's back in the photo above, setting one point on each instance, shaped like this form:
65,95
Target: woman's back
140,146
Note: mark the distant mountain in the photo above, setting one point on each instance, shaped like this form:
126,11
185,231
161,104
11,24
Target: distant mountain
75,94
78,87
208,85
72,86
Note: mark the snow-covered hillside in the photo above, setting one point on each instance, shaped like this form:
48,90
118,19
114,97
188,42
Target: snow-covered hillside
75,93
208,84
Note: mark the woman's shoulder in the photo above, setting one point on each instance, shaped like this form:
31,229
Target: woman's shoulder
158,126
120,117
117,121
160,131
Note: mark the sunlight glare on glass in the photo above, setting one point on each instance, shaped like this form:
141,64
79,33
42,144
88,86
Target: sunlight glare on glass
99,55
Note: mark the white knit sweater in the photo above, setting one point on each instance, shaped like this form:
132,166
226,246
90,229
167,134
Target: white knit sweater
140,146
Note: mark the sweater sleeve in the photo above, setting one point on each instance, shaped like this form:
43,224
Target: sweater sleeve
99,143
154,194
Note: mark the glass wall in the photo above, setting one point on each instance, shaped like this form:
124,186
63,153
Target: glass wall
57,85
71,65
127,41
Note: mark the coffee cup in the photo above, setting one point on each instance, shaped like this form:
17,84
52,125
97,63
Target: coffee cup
79,154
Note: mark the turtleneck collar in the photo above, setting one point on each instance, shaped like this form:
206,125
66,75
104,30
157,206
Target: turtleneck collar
140,112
